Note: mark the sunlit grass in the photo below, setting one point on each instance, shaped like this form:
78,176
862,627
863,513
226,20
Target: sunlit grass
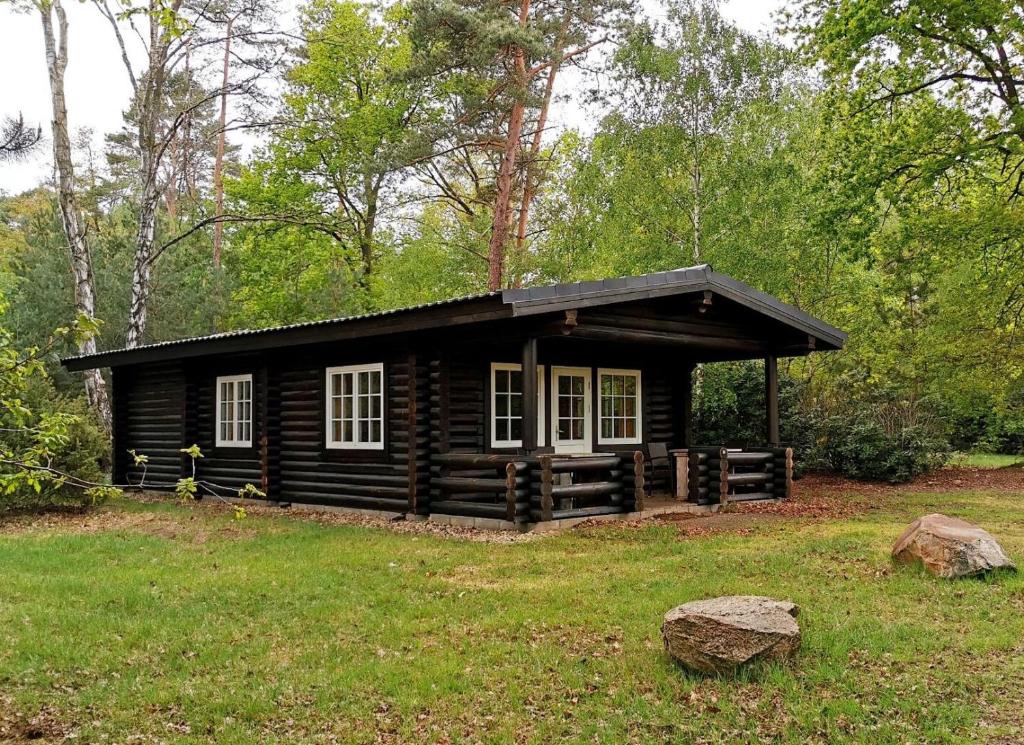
986,460
187,626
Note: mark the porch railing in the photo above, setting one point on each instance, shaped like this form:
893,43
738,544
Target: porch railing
535,488
718,475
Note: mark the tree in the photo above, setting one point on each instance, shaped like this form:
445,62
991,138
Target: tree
16,138
56,45
970,55
500,61
174,33
331,172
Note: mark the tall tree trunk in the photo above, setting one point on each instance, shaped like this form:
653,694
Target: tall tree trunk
151,150
74,230
530,177
218,165
502,204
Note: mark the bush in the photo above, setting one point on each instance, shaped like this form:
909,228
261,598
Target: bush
52,450
880,440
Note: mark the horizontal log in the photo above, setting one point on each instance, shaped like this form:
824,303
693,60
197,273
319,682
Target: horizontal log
595,489
459,484
747,459
469,509
477,460
589,463
750,496
741,479
536,516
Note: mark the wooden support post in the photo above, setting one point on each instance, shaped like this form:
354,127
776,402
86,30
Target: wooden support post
263,420
789,473
723,476
530,394
510,492
546,484
771,397
412,464
686,406
638,481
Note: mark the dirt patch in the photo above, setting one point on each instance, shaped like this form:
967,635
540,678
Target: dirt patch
45,727
952,478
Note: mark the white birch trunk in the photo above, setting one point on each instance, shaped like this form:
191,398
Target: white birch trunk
74,229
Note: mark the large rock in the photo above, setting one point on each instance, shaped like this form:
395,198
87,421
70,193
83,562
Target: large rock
720,634
950,547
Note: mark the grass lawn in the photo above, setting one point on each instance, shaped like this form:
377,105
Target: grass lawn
156,623
986,460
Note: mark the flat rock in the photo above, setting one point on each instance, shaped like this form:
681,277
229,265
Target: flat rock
950,547
718,635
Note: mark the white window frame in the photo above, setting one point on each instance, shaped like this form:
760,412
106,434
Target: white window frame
639,408
234,442
356,444
513,367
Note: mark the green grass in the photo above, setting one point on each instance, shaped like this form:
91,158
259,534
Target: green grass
986,460
181,625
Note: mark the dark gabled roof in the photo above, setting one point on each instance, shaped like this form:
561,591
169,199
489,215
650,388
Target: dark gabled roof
477,308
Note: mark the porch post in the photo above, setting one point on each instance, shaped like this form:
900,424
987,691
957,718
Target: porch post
686,406
530,394
771,398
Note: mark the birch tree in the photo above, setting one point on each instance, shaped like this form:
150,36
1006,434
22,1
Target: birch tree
173,34
55,38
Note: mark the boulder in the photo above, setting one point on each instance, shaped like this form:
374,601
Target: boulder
950,547
720,634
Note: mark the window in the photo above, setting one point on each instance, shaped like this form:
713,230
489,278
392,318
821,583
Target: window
355,407
234,411
619,391
507,405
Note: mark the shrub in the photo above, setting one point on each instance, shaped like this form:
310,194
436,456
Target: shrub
52,450
880,440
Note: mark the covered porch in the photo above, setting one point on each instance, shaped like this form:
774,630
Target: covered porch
605,426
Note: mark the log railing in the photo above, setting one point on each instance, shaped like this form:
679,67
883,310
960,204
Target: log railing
577,486
535,488
718,475
480,485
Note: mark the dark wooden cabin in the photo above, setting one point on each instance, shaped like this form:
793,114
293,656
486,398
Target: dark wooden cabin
425,410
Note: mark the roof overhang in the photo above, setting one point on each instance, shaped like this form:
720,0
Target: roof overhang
506,304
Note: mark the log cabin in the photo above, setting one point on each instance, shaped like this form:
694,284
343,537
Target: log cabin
426,410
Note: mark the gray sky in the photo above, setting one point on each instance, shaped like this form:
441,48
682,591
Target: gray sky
97,86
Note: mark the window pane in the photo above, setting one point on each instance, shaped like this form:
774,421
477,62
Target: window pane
516,404
501,380
564,406
375,407
516,381
364,431
347,431
364,407
563,429
335,385
501,405
564,385
630,428
347,407
577,385
376,429
375,382
630,407
606,428
630,385
335,408
347,383
336,431
516,428
577,429
501,430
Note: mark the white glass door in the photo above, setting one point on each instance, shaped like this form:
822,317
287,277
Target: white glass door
571,410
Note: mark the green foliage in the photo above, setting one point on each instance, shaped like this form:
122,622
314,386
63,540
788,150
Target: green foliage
52,451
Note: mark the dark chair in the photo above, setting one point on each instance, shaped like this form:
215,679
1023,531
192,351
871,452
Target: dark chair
661,468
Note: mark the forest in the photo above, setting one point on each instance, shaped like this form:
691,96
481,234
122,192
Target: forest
863,161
